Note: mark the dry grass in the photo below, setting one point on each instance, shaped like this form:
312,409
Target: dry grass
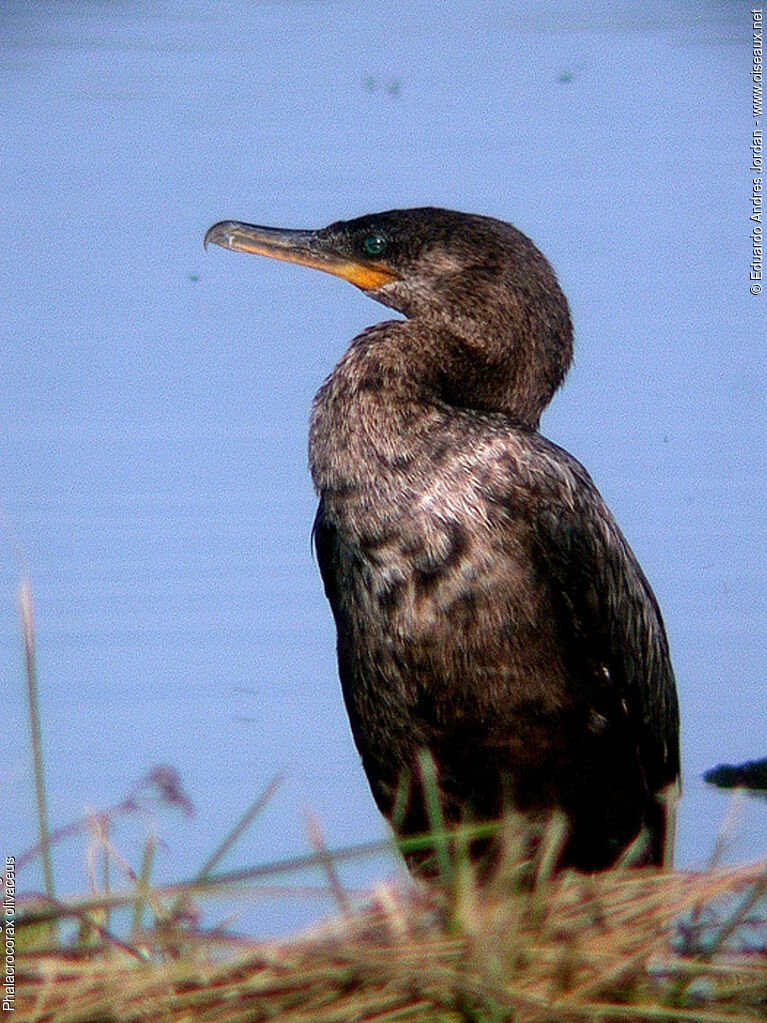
527,945
623,945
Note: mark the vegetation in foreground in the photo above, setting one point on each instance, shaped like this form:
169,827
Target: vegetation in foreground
528,944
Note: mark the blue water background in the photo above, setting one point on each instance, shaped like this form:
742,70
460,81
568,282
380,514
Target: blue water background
154,398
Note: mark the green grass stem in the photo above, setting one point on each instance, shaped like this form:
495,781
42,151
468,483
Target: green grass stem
28,636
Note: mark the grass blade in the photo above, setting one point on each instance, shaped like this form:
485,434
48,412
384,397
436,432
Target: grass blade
28,636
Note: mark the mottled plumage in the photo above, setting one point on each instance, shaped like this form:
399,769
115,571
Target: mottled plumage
488,608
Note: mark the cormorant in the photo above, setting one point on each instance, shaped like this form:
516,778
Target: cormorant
488,608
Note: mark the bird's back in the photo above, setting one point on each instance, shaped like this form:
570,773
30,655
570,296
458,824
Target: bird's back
489,610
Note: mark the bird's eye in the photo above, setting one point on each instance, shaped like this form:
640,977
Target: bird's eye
374,244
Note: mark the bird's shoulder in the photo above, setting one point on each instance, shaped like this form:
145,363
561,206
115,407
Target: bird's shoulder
537,498
605,604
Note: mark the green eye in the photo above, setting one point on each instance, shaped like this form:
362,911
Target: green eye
374,244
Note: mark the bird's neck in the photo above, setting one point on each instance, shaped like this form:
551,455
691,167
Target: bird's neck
367,416
396,393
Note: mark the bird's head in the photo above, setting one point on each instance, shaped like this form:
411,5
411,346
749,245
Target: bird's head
479,284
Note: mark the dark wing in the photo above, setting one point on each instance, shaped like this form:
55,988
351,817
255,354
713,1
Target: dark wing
608,612
327,551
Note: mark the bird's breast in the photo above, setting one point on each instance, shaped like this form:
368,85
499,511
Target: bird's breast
428,576
425,537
